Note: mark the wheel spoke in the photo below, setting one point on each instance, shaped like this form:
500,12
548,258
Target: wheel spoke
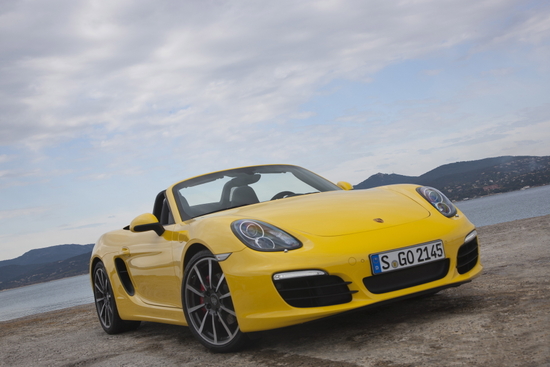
197,307
199,276
225,295
225,326
203,322
101,281
231,312
222,278
214,328
104,314
198,293
108,316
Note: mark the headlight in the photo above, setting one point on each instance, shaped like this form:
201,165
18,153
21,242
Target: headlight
438,200
263,237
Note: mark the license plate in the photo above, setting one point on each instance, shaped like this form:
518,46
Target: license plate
406,257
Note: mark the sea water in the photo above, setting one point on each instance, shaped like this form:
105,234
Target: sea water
69,292
43,297
506,207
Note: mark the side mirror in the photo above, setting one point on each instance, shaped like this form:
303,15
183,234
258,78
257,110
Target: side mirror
146,222
344,185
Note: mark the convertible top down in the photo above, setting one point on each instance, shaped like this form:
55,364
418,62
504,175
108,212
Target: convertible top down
263,247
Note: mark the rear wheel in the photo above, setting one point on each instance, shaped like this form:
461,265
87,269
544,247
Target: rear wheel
208,305
106,306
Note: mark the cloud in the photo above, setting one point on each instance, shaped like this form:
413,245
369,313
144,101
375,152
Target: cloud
11,214
432,72
124,67
501,72
92,225
103,103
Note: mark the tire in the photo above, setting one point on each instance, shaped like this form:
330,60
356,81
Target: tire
208,305
105,304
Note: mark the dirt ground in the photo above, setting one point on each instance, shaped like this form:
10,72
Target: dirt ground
502,318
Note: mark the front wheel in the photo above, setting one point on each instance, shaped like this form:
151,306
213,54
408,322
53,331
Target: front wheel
208,306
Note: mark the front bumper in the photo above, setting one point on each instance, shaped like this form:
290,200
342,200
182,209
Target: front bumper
262,304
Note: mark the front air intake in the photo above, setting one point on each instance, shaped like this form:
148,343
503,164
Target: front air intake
314,291
408,277
468,255
124,277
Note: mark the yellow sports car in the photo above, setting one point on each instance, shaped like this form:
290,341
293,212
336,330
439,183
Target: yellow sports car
263,247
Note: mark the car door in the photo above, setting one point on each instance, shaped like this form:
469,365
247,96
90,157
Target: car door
150,261
151,266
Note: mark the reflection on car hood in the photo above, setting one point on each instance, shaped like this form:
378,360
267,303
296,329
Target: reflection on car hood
338,213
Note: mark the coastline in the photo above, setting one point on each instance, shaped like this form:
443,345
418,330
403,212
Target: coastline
497,193
499,319
47,281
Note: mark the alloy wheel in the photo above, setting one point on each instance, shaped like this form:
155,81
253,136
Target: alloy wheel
103,297
208,304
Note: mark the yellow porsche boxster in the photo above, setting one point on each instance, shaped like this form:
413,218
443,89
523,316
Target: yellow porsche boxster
263,247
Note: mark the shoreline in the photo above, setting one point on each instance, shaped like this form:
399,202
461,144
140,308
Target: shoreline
499,193
49,296
47,281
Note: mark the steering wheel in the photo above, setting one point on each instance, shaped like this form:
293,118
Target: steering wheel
283,194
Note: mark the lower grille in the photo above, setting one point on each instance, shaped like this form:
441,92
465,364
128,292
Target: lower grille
316,291
468,254
405,278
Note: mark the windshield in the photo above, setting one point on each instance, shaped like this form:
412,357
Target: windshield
245,186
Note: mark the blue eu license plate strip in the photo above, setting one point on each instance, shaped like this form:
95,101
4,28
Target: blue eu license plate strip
406,257
375,261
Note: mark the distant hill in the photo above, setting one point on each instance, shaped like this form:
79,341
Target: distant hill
45,264
472,179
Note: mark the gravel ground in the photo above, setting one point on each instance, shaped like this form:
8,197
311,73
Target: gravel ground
502,318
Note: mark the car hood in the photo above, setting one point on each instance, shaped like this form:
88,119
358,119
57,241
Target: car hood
337,213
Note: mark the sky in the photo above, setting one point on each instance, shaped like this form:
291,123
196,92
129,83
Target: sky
105,103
